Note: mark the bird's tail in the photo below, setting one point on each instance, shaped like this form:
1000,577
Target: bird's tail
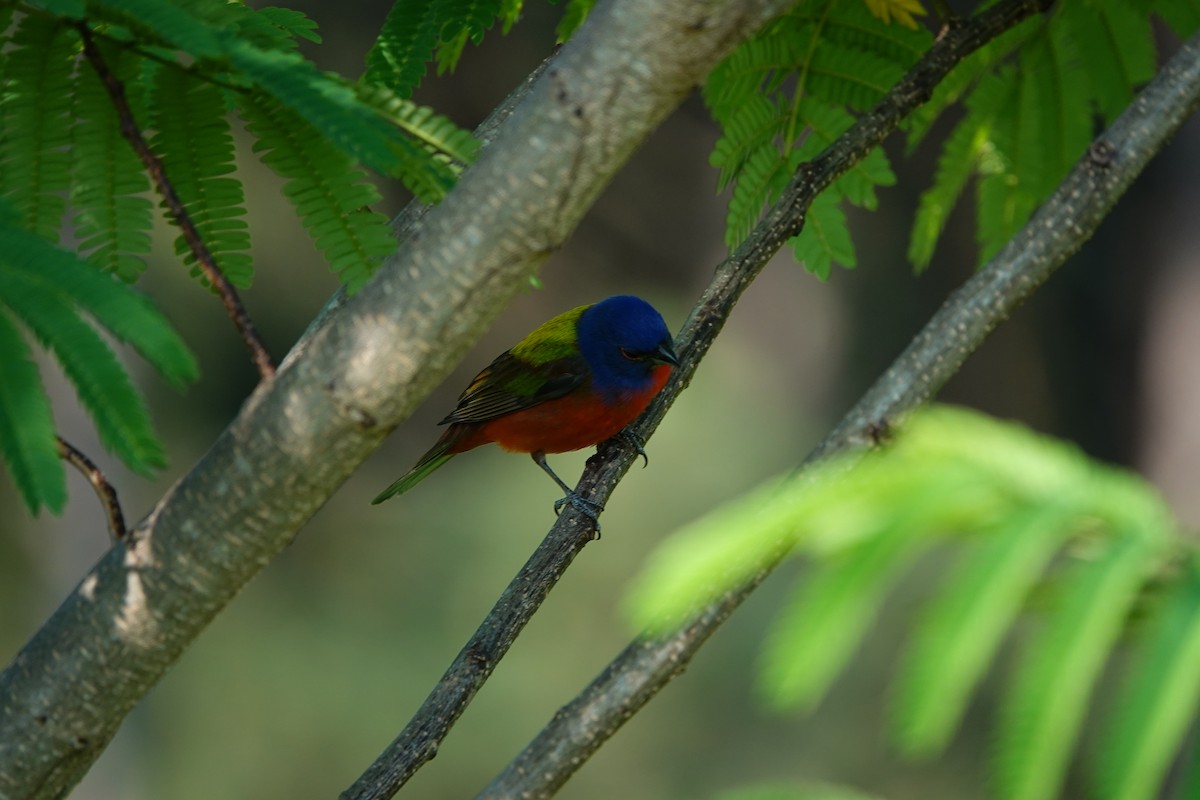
431,461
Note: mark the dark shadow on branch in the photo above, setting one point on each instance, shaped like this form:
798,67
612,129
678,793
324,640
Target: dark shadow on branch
420,739
1054,233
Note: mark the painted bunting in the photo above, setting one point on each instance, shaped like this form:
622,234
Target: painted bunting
575,381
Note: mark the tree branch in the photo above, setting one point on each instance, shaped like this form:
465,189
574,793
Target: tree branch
154,166
105,492
1055,232
353,376
419,740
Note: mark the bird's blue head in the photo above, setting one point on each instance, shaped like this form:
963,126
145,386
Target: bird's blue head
623,339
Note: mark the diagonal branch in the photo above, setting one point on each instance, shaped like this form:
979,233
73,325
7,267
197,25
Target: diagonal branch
420,739
154,166
1054,233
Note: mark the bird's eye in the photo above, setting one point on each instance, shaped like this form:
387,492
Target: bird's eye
632,356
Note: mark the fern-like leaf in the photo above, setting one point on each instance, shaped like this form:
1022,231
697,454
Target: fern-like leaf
1041,718
35,110
113,215
1183,16
104,388
463,20
404,46
825,123
1116,49
169,23
825,240
329,194
1157,699
70,9
783,96
755,126
816,633
759,176
26,426
573,16
121,310
955,166
193,139
436,133
324,102
272,27
961,629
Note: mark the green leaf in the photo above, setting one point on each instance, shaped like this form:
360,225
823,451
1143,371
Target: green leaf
1042,715
961,629
1116,49
963,79
26,427
71,9
755,126
754,185
169,22
324,102
825,240
104,388
955,165
1156,703
329,194
274,28
35,112
113,216
435,133
193,139
124,312
1183,16
404,46
573,16
463,20
824,622
719,550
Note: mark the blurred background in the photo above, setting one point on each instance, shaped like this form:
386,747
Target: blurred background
322,659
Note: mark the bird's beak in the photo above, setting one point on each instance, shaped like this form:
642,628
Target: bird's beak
665,354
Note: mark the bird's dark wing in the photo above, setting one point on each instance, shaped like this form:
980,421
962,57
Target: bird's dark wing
510,384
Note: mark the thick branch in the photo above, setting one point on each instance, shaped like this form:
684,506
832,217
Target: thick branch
1055,232
154,166
419,740
105,492
353,377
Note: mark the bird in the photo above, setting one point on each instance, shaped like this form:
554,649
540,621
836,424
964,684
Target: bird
576,380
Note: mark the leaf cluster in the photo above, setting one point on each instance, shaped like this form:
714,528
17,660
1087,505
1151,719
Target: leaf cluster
784,95
68,173
1028,105
1085,556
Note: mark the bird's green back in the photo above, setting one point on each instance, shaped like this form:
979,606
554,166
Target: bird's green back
556,338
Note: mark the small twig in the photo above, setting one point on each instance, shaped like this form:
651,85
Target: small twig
105,492
1051,236
419,740
154,166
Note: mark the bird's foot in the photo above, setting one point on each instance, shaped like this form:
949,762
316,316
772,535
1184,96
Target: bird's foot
635,443
589,508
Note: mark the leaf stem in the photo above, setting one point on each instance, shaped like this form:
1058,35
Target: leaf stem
105,492
154,166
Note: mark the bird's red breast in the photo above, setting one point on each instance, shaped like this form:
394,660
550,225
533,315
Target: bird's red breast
571,422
